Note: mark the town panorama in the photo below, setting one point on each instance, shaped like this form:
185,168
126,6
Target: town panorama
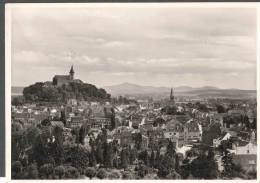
67,129
133,91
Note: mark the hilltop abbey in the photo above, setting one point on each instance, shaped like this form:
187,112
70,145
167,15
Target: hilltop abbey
59,80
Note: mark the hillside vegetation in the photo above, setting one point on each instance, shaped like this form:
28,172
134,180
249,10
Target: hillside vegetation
38,92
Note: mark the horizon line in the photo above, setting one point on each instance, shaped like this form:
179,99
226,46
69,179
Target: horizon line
193,87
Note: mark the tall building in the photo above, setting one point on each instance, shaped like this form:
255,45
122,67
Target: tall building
171,102
172,96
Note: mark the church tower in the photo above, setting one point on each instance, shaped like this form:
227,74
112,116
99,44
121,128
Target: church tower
72,73
172,96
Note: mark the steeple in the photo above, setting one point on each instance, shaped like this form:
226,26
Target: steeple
72,73
171,96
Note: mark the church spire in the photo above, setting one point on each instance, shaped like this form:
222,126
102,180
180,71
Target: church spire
72,70
171,96
72,73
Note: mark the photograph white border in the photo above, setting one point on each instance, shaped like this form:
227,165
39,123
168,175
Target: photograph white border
8,58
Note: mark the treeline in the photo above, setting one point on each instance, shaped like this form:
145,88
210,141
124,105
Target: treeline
41,152
123,100
39,92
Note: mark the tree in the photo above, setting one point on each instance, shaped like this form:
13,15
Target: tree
152,159
203,167
46,122
18,144
17,170
83,131
177,164
102,173
158,122
211,133
141,169
90,172
132,155
230,168
108,155
56,148
63,117
138,140
185,168
202,107
31,134
167,165
18,101
124,158
113,119
127,175
71,173
33,172
157,159
169,110
170,151
46,171
144,157
39,92
92,158
59,171
78,156
114,175
99,153
173,175
39,147
221,109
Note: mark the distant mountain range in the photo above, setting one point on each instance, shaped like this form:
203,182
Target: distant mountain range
17,90
129,89
159,92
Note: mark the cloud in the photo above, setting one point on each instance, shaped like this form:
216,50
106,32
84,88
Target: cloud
132,43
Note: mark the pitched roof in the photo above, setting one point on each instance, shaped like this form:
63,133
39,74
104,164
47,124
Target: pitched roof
63,77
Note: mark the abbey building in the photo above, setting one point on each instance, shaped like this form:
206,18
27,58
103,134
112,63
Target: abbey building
59,80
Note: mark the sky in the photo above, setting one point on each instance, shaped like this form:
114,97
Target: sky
155,46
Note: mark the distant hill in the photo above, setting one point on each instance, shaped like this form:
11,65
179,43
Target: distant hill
160,92
17,90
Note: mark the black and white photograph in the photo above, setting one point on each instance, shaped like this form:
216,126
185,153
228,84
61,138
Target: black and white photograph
132,91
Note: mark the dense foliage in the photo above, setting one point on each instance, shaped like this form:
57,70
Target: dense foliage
39,92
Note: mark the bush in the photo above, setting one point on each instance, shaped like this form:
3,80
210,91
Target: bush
173,175
114,175
128,175
17,170
33,172
71,173
102,173
46,171
90,172
78,156
59,171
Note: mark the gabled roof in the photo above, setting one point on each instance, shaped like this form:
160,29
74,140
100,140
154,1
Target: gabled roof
63,77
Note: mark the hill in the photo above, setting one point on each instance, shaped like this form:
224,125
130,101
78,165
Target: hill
17,90
40,92
162,92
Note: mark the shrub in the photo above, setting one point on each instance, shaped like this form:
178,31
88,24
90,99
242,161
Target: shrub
71,173
59,171
102,173
90,172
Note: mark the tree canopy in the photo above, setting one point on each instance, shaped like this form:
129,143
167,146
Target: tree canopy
39,92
